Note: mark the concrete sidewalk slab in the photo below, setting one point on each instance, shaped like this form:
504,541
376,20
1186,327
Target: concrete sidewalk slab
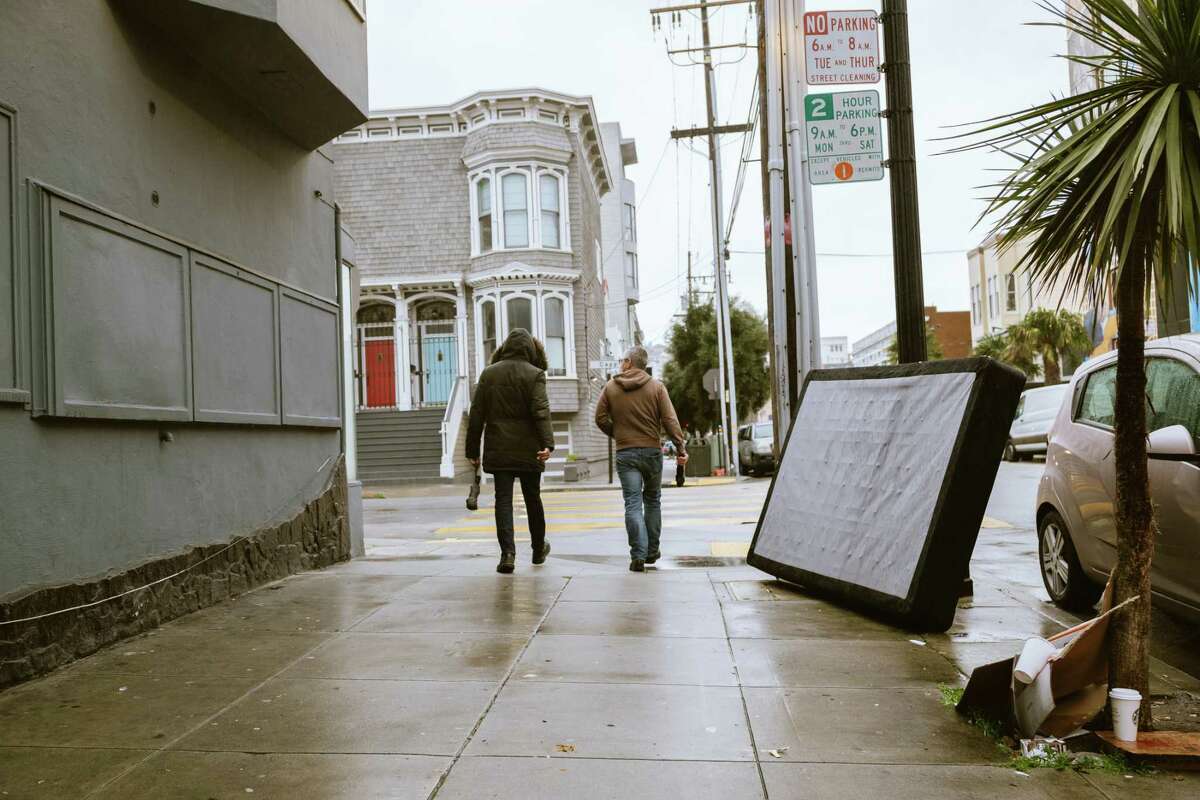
328,776
627,659
975,782
634,721
179,651
803,620
347,716
487,778
79,708
860,726
43,772
411,656
635,618
512,615
839,664
682,588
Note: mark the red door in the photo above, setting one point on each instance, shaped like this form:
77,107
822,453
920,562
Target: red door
381,372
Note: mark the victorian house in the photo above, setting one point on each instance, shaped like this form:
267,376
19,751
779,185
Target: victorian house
472,219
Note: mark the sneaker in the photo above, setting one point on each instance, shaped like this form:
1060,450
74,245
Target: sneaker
637,565
508,562
539,557
655,556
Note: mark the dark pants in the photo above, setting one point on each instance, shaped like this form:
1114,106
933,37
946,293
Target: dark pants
531,490
640,472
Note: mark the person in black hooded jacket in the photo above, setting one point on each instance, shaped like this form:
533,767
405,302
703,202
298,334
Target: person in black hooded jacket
511,413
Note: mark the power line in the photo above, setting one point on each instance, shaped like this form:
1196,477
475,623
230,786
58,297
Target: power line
860,255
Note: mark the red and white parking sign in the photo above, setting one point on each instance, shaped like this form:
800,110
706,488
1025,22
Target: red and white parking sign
841,47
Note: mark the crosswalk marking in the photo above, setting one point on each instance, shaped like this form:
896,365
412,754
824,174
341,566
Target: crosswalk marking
668,522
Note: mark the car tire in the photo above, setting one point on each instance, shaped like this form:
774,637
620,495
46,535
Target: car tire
1010,452
1062,574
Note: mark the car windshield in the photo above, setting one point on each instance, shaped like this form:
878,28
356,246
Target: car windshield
763,431
1048,399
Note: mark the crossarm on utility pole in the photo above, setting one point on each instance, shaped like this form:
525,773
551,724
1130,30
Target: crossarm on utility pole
689,133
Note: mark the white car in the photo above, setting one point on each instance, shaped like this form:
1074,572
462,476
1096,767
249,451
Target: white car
756,448
1031,425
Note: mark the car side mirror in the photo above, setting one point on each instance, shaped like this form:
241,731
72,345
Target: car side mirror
1172,443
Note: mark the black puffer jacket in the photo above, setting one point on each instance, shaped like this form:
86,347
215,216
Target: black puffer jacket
510,410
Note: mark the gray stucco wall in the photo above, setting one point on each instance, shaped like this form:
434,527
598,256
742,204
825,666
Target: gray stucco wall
80,498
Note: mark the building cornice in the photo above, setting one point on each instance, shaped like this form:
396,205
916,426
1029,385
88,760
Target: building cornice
517,154
517,272
540,106
429,280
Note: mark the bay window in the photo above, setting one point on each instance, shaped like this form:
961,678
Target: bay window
541,307
520,314
548,198
483,204
487,319
517,207
515,192
555,323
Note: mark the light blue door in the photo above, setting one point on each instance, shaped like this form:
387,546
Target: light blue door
439,364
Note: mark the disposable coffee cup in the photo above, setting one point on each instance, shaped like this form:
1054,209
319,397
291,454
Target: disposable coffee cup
1034,656
1126,703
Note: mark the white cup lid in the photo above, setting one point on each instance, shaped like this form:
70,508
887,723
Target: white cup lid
1124,694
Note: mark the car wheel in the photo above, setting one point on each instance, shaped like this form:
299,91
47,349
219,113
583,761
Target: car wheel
1010,452
1062,574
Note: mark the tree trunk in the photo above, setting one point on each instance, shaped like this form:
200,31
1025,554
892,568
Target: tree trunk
1129,654
1051,368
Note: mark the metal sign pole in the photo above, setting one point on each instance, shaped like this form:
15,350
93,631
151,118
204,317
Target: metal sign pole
803,247
902,163
728,387
780,280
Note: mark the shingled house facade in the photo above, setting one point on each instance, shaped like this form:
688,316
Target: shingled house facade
470,220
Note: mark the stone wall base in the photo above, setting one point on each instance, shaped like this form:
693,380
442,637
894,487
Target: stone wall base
318,536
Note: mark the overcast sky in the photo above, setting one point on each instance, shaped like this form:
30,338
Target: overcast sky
971,59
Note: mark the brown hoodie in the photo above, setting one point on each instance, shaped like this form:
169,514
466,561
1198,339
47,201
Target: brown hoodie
634,409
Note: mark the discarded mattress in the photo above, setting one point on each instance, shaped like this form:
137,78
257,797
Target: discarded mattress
883,482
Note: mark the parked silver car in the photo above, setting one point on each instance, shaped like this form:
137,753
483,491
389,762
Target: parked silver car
1036,412
1077,532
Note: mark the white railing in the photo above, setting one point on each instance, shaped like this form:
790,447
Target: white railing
456,406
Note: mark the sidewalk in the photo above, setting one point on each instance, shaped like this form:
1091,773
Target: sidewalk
435,677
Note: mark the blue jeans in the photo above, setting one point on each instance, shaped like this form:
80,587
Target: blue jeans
640,471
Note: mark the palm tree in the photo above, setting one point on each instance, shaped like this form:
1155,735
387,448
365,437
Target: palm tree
999,347
1108,191
1055,336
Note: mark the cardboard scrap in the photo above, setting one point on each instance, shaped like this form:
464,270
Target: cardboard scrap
1068,691
1175,749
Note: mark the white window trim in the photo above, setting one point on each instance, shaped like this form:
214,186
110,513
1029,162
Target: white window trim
532,170
498,184
568,328
476,233
536,291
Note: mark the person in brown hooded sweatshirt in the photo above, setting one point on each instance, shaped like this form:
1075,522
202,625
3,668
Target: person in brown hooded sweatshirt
634,409
511,414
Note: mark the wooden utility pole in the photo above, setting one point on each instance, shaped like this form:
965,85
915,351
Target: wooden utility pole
727,384
725,369
902,164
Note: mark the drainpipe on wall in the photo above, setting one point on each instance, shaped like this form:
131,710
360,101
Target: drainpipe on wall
347,303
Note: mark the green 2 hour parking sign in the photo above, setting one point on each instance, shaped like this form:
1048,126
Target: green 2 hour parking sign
843,137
